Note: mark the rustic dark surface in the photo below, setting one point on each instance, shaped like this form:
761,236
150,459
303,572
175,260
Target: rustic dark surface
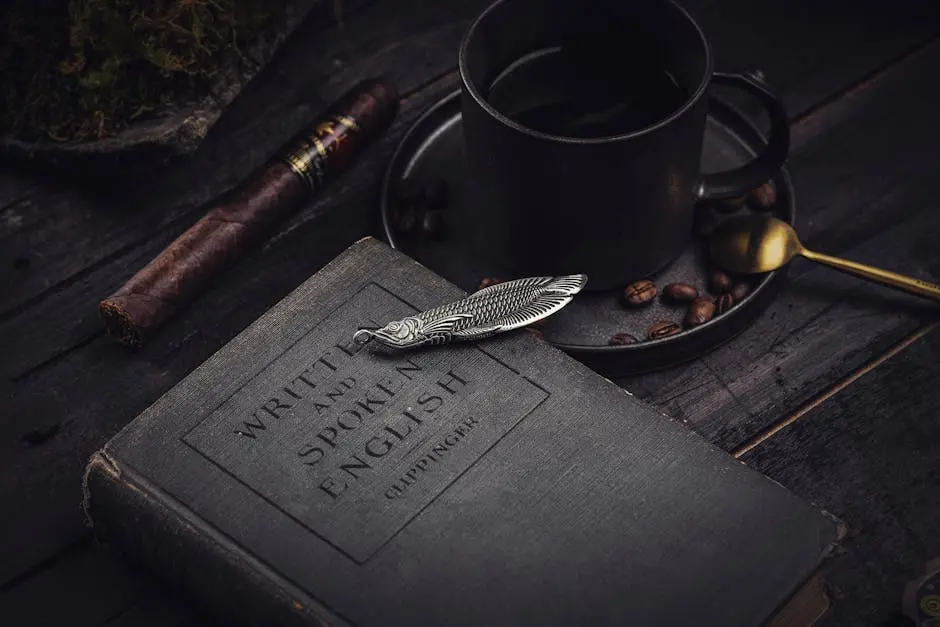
859,81
527,509
870,453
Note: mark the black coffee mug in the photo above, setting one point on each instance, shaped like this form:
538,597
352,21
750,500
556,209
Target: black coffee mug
615,200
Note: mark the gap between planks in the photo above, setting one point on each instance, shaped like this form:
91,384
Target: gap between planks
66,552
172,225
411,95
436,84
832,391
867,79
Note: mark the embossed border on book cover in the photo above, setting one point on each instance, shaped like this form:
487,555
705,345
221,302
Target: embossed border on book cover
353,444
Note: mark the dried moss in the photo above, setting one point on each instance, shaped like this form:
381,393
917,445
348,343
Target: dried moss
75,70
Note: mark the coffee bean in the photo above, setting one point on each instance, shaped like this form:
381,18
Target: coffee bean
433,223
700,311
663,328
405,218
764,197
719,282
723,303
639,293
680,293
622,339
435,194
740,291
488,281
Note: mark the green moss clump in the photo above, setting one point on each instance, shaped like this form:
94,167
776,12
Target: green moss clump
78,70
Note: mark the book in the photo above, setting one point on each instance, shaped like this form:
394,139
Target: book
297,478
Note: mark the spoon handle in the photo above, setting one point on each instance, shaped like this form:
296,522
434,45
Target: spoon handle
884,277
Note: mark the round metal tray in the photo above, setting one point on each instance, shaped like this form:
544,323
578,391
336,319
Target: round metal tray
433,149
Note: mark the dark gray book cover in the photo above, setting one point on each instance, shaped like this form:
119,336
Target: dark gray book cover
297,478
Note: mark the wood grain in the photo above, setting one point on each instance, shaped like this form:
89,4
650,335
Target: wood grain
89,586
313,68
872,205
869,455
80,599
60,319
48,395
52,375
806,49
66,390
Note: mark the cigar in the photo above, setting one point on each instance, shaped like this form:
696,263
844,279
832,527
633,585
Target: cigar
241,217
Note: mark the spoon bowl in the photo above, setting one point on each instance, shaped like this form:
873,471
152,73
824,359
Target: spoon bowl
754,244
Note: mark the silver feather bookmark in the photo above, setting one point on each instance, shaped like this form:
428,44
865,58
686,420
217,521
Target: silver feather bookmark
494,309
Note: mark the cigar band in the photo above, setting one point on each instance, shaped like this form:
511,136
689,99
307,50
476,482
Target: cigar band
347,121
309,156
305,161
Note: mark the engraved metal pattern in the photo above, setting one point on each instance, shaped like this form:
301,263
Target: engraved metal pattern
494,309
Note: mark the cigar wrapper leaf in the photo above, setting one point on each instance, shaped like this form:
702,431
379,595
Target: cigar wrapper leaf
239,219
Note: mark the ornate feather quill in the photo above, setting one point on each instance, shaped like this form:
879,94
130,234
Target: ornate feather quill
494,309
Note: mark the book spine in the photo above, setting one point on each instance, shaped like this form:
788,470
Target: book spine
153,530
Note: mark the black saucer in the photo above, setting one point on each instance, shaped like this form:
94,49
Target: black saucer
433,150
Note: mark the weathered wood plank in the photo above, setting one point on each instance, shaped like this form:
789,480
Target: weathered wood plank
875,205
158,610
820,329
86,588
84,396
69,318
65,317
14,185
317,64
277,102
90,586
819,42
126,382
87,413
869,455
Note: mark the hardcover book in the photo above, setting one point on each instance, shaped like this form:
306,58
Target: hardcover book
298,478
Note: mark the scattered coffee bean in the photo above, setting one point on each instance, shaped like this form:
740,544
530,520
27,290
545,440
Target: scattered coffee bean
639,293
433,223
729,205
723,303
663,328
680,293
719,282
764,197
700,311
740,291
622,339
435,194
488,281
405,218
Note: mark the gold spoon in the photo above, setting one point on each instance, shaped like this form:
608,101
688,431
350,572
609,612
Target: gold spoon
755,244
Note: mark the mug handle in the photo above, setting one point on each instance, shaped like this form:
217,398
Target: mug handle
739,181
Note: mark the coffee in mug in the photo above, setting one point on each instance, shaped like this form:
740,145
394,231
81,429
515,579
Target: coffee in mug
583,123
564,91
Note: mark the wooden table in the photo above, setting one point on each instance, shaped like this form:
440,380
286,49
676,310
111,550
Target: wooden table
833,392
